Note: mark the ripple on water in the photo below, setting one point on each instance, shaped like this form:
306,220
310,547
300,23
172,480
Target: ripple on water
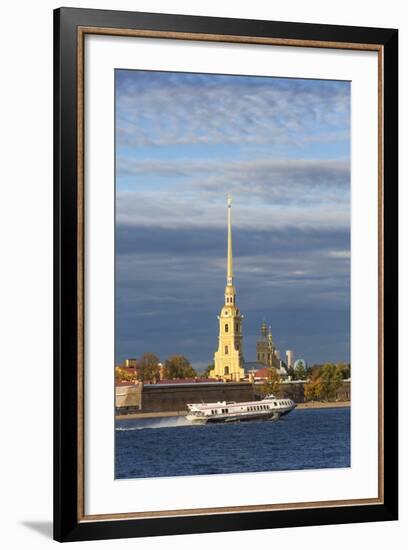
305,439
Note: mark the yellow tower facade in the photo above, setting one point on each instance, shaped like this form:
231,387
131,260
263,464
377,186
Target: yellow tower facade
228,359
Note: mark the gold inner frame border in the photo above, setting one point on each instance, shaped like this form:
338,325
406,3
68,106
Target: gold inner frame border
81,33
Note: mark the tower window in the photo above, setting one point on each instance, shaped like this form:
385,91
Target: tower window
226,350
236,327
226,327
226,370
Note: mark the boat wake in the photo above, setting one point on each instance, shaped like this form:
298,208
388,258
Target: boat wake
154,423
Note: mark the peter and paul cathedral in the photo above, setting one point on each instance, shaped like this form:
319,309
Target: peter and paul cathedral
228,359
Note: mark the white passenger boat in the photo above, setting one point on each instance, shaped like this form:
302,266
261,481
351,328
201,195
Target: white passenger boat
269,408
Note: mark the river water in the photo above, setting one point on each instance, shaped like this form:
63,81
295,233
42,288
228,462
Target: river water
163,447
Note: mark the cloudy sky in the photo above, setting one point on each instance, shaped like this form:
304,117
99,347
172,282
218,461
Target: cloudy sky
281,148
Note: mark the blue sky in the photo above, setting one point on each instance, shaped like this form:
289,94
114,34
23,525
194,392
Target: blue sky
281,148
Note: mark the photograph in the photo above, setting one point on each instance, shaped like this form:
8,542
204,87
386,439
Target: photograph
232,274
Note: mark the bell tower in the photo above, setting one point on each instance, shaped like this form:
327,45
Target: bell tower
228,359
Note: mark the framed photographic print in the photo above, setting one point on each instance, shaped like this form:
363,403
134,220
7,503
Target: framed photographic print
225,274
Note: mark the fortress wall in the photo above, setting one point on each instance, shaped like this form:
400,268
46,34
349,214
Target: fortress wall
294,391
128,398
344,393
174,397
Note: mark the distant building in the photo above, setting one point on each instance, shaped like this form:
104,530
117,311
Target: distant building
290,358
162,371
266,352
128,371
262,374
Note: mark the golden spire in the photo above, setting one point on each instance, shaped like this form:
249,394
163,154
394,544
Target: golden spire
229,259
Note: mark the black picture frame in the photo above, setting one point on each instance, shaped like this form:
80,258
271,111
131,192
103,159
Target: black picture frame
68,525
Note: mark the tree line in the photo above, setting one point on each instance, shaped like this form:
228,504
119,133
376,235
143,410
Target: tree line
301,372
149,369
322,382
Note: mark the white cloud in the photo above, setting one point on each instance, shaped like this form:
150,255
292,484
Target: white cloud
185,113
267,193
341,254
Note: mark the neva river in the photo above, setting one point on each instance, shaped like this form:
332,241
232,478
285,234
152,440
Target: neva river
306,438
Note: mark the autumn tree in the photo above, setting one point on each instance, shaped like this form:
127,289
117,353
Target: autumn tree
123,375
324,382
149,368
314,389
344,369
178,366
272,383
332,380
207,371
